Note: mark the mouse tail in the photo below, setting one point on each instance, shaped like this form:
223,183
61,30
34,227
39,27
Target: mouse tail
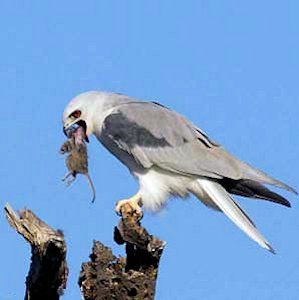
92,188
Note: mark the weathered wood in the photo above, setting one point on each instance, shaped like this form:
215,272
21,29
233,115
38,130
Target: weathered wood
48,272
134,277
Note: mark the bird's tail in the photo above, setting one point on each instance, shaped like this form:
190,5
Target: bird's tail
217,194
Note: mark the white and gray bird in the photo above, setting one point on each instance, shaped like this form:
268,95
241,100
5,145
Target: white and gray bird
170,156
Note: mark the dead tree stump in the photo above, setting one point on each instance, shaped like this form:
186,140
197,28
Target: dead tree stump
107,277
48,270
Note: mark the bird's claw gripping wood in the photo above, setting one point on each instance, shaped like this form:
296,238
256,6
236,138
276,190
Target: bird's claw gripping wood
131,205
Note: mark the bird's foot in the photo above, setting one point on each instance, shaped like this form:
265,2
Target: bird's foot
130,206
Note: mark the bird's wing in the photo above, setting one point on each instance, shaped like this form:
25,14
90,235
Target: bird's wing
155,135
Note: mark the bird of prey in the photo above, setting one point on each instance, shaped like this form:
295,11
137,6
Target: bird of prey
170,156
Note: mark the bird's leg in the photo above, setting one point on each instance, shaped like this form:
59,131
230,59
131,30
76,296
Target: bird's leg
134,202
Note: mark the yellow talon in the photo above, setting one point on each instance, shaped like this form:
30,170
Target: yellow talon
134,203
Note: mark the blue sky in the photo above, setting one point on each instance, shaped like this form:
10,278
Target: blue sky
229,66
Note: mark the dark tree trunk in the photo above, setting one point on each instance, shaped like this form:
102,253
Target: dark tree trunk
105,276
48,272
133,277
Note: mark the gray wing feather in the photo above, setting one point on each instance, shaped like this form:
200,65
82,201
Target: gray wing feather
156,135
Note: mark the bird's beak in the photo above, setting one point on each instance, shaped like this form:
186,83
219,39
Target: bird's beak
67,126
71,125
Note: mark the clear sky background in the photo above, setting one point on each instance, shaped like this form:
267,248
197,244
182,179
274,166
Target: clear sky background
231,67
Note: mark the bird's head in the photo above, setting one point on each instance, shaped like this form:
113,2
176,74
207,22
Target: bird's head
79,113
88,111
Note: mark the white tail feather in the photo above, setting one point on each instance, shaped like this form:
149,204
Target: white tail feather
227,205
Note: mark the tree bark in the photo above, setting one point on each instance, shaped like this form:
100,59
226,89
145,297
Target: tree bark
105,276
134,277
48,270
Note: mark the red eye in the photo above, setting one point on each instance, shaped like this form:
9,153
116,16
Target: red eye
76,114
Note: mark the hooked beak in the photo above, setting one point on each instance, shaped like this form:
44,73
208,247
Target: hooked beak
70,126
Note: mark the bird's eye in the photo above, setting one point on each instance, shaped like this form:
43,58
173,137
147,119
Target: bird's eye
76,114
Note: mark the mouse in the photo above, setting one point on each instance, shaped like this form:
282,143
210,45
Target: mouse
76,160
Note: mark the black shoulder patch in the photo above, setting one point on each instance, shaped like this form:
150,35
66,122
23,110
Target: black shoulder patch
123,130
